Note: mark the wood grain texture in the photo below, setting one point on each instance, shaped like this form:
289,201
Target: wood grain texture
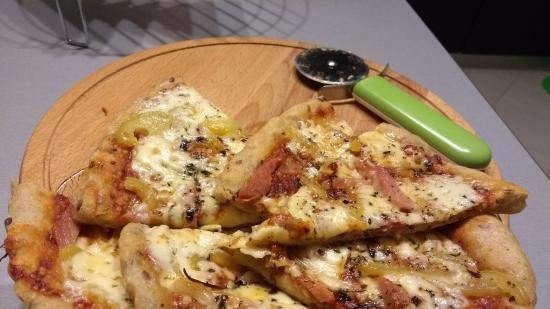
252,79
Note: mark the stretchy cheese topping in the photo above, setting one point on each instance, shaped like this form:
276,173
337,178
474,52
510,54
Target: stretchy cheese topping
187,254
422,270
92,267
180,162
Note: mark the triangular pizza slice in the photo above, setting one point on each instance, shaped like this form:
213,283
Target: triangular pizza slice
313,181
421,270
56,263
186,268
157,164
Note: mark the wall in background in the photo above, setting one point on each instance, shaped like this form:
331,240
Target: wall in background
489,26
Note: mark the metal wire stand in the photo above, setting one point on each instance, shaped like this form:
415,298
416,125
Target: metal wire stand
82,21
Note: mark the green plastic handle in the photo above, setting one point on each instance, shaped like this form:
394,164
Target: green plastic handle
440,132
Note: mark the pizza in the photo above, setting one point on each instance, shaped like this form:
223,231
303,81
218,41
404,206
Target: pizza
475,265
157,165
177,208
313,181
186,268
55,262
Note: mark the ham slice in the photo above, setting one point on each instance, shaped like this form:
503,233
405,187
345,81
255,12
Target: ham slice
317,289
384,183
64,230
395,297
286,179
259,183
278,174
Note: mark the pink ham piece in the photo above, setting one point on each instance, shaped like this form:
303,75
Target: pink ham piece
395,297
385,184
259,183
64,230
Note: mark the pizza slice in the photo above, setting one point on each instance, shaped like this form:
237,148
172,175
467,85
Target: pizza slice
56,263
479,264
313,181
157,165
185,268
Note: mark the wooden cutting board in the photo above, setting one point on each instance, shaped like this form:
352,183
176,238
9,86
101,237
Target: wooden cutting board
251,79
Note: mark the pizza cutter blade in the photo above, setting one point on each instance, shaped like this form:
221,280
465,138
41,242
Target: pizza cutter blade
345,78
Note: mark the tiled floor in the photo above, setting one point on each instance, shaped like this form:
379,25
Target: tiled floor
514,89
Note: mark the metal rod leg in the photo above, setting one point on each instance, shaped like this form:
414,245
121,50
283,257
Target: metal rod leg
82,20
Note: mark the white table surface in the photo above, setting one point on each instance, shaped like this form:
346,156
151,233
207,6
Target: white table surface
36,68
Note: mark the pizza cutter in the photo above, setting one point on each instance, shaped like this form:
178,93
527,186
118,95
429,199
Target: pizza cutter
345,78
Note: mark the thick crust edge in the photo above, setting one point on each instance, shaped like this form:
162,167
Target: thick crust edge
31,209
34,300
487,240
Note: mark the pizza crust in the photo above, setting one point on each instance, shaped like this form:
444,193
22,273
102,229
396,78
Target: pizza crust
31,205
487,240
139,274
34,300
32,212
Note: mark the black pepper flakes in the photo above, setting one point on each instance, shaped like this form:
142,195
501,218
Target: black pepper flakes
416,300
184,145
190,213
474,274
190,169
221,300
240,282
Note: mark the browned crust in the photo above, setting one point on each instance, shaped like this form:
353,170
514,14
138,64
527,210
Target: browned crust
139,273
34,256
32,251
260,145
504,197
487,240
101,197
35,300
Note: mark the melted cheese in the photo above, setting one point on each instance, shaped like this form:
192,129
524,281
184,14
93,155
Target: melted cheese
327,265
187,251
442,193
386,150
183,182
176,250
428,266
326,140
94,269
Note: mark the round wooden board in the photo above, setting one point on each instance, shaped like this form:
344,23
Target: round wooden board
251,79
